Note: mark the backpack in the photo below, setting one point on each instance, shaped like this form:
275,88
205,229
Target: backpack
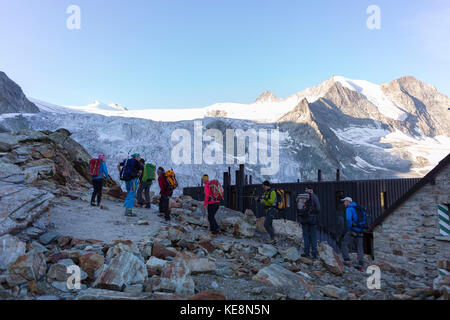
171,180
94,167
215,190
361,219
281,199
126,173
149,172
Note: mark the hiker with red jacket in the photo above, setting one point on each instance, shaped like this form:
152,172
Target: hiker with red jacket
166,193
98,181
213,206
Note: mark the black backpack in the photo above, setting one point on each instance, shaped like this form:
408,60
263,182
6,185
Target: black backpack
127,172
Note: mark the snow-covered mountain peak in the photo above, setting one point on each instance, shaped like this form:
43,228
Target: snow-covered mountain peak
266,96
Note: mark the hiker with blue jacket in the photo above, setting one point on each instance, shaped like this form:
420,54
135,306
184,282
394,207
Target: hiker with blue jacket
130,172
354,233
98,181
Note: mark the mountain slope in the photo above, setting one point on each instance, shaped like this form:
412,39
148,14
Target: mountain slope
12,98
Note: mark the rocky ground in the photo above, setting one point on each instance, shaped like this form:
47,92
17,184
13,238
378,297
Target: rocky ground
47,228
144,257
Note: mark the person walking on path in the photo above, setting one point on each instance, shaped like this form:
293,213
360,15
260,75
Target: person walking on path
166,192
131,170
354,233
144,187
212,205
98,181
309,216
269,199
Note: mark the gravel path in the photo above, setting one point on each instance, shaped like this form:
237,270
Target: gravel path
78,219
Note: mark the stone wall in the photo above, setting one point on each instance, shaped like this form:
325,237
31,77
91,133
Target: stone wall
409,238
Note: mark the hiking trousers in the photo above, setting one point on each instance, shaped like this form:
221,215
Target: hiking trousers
131,193
144,187
164,206
97,193
309,238
351,238
212,209
270,213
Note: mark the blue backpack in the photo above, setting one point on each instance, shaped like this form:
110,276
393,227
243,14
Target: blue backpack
127,171
361,224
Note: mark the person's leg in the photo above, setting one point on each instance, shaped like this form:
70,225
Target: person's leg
100,191
360,250
306,239
268,224
165,207
212,209
131,193
345,243
147,186
313,239
95,191
139,192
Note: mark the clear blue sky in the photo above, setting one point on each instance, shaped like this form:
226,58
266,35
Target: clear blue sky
193,53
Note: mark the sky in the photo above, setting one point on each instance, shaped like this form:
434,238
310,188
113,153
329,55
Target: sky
194,53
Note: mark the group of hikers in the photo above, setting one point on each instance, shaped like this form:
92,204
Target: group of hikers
308,211
139,176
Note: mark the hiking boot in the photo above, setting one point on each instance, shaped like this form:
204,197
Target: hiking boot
147,206
93,204
305,255
213,235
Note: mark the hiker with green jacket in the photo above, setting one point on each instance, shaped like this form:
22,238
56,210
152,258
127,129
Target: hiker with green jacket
145,182
269,198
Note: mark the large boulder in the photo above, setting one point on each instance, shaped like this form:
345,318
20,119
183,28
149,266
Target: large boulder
123,246
247,226
196,264
58,271
21,206
155,264
227,218
161,252
267,250
175,276
280,277
124,269
330,259
91,262
28,267
10,249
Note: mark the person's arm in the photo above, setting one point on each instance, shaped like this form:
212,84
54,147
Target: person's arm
206,188
105,170
316,204
348,218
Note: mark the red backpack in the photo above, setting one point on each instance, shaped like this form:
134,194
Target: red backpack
215,190
94,167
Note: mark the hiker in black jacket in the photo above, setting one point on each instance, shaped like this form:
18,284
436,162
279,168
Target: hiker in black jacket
309,218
